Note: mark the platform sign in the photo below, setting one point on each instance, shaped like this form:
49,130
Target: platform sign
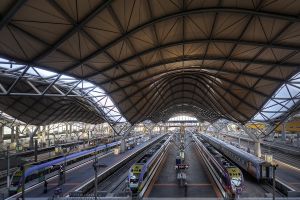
269,158
182,166
76,194
181,154
19,148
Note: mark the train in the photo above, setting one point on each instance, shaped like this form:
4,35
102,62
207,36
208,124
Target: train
260,169
34,171
231,177
139,172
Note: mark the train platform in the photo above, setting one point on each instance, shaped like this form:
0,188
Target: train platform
282,146
18,159
79,173
199,184
43,154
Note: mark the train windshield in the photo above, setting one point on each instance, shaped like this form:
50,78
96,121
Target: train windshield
15,180
236,178
236,182
134,179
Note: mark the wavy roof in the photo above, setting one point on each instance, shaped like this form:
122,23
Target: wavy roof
224,57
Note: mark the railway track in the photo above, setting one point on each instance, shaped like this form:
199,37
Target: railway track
3,176
116,183
121,186
285,158
269,189
2,184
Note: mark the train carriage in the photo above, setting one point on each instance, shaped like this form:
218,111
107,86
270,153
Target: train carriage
230,175
36,169
138,173
256,167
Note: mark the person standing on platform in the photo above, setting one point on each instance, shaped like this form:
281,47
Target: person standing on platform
45,186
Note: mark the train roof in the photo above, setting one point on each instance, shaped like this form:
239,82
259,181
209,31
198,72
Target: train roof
240,152
143,160
220,158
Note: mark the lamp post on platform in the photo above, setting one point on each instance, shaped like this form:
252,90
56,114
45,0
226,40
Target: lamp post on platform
274,169
96,177
8,166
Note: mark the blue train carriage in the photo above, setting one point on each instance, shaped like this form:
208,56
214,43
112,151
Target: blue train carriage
138,172
256,167
134,177
36,170
15,180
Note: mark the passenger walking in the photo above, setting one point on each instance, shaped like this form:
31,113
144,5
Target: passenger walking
185,189
61,175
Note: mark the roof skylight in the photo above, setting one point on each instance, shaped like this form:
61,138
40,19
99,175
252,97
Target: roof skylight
84,88
283,99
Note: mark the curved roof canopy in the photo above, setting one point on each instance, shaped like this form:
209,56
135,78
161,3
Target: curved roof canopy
201,114
224,57
45,109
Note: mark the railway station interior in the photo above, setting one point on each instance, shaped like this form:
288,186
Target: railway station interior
149,99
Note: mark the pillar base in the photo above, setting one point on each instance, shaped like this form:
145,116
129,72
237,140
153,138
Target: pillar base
283,134
123,146
31,143
1,135
298,140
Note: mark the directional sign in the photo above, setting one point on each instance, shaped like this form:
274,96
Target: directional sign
182,166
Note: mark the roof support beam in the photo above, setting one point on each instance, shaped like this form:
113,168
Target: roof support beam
217,92
197,58
76,28
196,78
5,19
199,113
173,107
227,113
180,14
159,105
162,86
193,70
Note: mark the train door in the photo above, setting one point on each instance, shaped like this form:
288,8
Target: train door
264,172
